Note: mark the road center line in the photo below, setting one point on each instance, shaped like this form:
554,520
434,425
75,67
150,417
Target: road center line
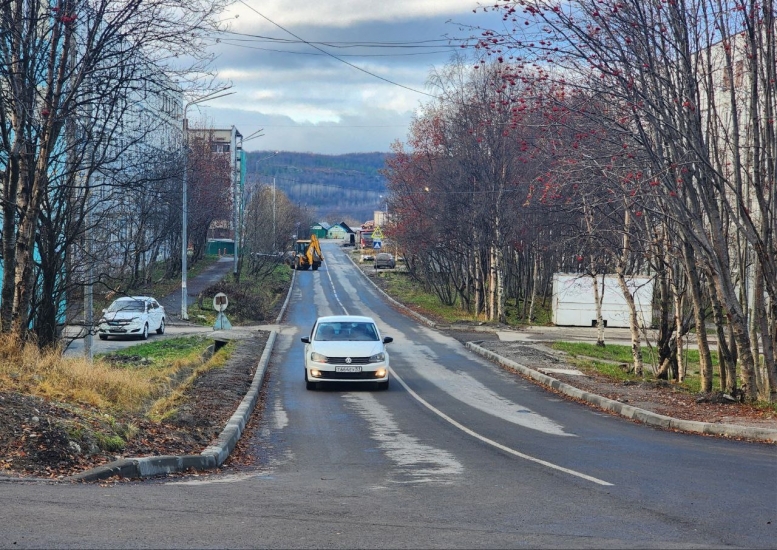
334,290
492,442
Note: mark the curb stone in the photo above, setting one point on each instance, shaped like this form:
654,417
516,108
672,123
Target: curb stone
627,411
213,455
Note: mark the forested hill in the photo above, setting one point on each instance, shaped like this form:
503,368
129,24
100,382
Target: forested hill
338,187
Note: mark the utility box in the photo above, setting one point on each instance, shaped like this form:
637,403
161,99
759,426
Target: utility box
574,305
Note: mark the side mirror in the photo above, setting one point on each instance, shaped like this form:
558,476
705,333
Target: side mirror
305,339
387,339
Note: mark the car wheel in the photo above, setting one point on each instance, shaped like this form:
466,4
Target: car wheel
161,329
308,384
382,386
144,334
103,336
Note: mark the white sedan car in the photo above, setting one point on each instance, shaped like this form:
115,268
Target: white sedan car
132,316
346,348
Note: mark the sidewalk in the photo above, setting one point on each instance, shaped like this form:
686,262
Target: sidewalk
194,286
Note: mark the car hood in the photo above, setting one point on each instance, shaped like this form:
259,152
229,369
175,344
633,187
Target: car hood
348,349
122,315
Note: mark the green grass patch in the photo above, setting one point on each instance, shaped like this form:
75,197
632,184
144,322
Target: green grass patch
165,351
610,352
402,287
607,360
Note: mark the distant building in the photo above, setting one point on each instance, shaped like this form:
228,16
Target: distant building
381,217
320,230
227,141
339,231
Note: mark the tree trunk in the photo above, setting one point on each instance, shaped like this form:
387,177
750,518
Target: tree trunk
726,359
694,286
598,298
534,285
636,346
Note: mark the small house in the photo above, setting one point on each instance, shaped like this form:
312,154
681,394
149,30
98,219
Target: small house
320,230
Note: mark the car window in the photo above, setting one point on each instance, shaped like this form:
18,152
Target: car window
325,332
364,331
355,331
127,305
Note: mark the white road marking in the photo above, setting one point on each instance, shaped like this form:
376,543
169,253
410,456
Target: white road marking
492,442
280,418
474,393
416,461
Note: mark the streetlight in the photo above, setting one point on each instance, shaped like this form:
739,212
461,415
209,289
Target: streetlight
184,236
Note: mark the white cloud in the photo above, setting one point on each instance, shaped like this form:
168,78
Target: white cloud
308,101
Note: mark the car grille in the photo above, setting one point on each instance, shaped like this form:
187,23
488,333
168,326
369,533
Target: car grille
332,375
354,361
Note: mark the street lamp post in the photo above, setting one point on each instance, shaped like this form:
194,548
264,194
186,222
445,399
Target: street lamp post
185,206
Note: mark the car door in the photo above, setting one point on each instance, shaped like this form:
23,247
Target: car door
154,313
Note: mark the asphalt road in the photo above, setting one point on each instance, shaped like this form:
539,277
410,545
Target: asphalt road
457,453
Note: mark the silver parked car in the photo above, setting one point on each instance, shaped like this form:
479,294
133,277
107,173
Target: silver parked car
132,316
346,348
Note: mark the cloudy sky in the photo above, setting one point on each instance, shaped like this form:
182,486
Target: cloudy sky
307,101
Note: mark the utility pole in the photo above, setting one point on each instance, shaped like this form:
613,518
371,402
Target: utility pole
273,214
185,206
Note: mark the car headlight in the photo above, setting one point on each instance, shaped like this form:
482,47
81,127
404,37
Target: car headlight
318,358
378,357
102,320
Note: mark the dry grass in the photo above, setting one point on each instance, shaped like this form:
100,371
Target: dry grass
46,373
169,404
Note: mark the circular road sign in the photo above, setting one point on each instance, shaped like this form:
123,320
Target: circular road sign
220,302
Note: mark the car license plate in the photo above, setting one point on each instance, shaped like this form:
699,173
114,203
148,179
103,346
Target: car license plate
348,369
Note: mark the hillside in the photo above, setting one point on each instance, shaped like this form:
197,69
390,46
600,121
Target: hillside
337,187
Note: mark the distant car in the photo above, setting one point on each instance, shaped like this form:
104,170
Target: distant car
132,316
346,348
384,259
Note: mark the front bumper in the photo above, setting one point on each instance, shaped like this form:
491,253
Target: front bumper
377,372
119,330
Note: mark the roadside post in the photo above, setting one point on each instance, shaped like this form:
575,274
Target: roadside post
220,303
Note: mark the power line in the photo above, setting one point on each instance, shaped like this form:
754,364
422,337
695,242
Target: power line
334,56
429,43
230,43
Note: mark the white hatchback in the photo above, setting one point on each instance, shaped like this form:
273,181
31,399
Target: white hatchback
132,316
346,348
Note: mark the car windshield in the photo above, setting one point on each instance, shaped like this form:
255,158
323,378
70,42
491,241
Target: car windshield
350,331
127,305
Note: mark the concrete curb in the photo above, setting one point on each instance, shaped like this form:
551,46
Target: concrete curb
212,457
628,411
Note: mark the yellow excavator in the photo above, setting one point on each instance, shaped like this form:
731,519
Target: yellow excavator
306,254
